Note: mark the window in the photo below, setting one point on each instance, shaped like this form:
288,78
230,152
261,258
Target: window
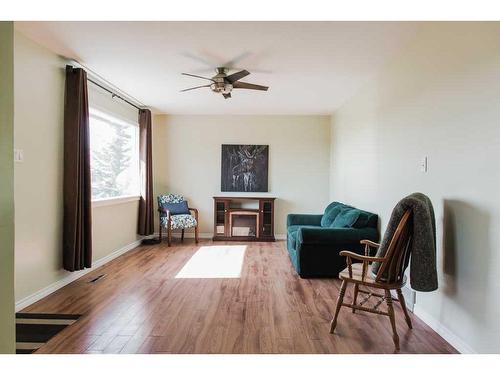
114,152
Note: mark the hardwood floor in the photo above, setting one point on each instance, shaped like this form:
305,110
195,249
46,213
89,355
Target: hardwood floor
140,307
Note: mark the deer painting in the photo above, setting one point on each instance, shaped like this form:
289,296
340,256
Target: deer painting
244,168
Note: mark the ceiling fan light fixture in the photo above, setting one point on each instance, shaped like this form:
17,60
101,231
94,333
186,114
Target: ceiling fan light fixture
221,87
224,84
227,88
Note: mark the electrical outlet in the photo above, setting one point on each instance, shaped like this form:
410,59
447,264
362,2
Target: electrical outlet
18,155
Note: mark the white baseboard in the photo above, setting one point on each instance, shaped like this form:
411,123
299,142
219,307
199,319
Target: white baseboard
444,332
209,235
186,235
70,277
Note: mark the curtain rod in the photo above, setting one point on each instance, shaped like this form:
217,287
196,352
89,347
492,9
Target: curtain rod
113,94
107,86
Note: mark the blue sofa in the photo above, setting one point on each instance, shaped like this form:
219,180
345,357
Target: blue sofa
315,241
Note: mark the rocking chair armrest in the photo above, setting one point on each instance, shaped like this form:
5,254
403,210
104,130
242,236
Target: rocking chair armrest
369,243
362,258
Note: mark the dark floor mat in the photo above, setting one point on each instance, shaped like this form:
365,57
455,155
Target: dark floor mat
35,329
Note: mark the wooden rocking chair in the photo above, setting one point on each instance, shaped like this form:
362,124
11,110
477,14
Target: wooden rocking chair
390,276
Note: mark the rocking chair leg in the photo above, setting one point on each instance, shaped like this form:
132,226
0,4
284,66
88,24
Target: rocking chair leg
340,300
355,298
196,234
159,230
390,308
169,236
182,236
401,299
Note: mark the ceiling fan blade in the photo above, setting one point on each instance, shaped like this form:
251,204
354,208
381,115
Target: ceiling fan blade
194,75
231,63
237,76
198,58
250,86
226,95
197,87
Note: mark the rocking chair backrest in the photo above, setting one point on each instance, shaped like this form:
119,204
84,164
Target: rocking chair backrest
170,198
396,260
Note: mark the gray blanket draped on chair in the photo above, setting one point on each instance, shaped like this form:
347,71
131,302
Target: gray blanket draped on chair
423,272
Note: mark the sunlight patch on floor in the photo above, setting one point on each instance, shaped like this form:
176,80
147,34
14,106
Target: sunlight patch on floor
214,262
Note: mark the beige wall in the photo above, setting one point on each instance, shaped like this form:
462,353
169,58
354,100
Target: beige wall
7,330
38,132
39,108
438,98
187,159
113,227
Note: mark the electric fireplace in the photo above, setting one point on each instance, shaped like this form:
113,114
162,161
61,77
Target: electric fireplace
244,223
244,218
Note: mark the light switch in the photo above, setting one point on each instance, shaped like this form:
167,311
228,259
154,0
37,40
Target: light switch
18,155
423,164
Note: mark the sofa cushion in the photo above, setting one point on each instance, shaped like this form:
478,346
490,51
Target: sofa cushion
346,218
331,212
366,219
362,220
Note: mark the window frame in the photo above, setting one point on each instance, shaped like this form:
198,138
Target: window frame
101,202
104,115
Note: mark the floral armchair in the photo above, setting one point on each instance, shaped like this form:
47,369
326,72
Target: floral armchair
174,213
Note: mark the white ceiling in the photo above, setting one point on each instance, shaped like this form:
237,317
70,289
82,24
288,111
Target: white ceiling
311,67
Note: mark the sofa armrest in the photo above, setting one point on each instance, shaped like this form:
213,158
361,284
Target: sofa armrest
303,219
336,236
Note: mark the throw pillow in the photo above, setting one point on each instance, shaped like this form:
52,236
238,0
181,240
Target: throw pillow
177,208
346,218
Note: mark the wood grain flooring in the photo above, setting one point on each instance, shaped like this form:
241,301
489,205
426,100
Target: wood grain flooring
140,307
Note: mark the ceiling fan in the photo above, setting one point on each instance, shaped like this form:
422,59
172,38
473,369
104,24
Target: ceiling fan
224,84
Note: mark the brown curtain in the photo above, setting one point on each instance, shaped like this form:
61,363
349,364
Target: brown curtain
77,222
145,225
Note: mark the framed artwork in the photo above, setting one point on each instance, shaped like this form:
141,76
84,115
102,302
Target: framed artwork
244,168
